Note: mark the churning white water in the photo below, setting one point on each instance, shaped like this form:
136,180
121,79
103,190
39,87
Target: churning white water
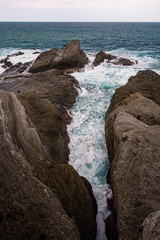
88,153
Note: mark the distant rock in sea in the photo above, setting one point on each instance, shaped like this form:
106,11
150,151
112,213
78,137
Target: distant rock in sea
101,56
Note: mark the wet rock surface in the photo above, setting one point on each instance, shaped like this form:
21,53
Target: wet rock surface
70,56
101,56
42,197
15,69
133,141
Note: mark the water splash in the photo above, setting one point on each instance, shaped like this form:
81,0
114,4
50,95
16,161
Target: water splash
88,153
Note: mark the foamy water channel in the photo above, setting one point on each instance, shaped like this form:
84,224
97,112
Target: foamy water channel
88,153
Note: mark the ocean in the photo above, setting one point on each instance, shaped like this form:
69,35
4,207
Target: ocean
138,41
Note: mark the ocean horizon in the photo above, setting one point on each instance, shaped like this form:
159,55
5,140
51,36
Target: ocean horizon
137,41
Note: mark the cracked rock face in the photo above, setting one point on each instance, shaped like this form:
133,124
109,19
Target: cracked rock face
41,197
133,141
70,56
28,208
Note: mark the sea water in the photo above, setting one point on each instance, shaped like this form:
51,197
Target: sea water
138,41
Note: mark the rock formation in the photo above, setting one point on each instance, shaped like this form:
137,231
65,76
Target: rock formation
133,141
101,56
70,56
15,69
42,197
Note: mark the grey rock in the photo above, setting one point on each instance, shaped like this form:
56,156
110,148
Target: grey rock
18,68
40,199
133,141
69,57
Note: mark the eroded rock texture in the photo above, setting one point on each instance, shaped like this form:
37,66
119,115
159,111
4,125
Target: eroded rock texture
30,178
133,141
42,197
70,56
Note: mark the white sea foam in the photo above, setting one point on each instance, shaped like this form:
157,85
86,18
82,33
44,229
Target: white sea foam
26,57
88,154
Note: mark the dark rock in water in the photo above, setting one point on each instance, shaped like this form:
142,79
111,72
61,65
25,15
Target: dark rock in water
110,57
133,141
124,62
33,187
15,54
18,68
70,56
36,52
100,57
6,62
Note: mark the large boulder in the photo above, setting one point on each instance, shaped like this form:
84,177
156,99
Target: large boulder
70,56
40,199
133,141
50,122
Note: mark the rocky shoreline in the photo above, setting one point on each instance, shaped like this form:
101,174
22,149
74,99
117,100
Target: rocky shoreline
133,141
42,196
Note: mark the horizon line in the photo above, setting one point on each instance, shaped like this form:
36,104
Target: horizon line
37,21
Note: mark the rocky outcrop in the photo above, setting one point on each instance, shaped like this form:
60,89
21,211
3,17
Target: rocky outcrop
29,209
6,63
70,56
42,197
34,187
15,69
101,56
133,141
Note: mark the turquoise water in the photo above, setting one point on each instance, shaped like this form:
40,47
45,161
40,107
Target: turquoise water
140,41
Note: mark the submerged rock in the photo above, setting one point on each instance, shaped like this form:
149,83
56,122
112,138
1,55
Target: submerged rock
15,54
133,141
70,56
124,62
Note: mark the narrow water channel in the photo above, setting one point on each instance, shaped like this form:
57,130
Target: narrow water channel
88,153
